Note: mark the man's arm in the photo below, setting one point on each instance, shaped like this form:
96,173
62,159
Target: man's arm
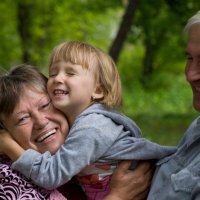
131,185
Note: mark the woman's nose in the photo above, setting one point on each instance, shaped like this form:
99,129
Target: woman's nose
40,121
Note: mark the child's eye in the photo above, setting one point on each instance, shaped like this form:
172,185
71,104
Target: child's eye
70,73
52,74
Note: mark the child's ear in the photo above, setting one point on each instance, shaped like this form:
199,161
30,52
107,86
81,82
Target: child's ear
98,93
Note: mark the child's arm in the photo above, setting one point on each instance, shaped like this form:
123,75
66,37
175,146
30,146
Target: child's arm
9,146
83,146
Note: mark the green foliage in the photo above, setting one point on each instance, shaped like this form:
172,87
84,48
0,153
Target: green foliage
51,22
166,91
10,50
174,100
157,27
167,129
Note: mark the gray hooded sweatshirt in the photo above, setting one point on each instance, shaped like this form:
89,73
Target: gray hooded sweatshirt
98,135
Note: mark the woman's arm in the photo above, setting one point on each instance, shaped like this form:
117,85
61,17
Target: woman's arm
131,185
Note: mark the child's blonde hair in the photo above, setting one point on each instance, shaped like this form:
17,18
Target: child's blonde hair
89,57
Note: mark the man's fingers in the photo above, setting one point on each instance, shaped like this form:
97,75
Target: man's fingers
124,165
142,196
131,184
144,166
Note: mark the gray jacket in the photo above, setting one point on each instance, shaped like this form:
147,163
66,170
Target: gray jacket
178,176
98,135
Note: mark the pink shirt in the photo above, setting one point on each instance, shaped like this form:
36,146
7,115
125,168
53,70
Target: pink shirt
14,186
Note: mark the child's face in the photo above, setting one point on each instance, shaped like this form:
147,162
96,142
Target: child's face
71,87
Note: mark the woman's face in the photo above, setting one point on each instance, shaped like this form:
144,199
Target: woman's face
36,124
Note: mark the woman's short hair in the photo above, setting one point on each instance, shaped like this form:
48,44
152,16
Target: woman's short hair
14,82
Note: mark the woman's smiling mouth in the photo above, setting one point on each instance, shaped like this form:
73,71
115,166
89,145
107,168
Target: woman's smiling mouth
45,136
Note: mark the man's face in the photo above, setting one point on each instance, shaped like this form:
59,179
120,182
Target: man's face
35,124
192,69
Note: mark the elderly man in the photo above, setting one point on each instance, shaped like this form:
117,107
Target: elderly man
178,176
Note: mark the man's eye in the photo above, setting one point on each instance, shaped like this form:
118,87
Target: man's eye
189,58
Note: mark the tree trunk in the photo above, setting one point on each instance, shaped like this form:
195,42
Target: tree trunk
148,60
23,16
148,63
124,28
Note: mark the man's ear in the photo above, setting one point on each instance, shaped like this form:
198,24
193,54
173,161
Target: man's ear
98,92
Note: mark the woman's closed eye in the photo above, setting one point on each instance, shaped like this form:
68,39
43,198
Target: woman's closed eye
23,119
46,105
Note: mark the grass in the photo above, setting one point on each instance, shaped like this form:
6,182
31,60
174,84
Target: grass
167,129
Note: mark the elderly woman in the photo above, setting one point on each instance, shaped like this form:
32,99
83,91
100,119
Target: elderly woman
26,112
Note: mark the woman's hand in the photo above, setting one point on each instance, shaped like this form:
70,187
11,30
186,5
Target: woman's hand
9,146
131,185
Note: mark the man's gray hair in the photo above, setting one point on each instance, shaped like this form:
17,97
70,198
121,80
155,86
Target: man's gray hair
194,20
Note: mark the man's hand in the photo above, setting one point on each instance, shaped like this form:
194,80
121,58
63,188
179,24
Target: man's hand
131,185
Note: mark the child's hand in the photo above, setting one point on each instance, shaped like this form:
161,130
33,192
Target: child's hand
9,146
5,139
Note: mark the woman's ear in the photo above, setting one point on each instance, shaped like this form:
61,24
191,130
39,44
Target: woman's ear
98,92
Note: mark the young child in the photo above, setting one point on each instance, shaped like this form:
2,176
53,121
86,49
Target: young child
84,84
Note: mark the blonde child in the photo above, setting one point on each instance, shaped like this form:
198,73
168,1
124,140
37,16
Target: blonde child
84,84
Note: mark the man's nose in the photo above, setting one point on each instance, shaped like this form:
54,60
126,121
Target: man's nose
193,72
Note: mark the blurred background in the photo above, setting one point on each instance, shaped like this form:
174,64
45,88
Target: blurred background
144,37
